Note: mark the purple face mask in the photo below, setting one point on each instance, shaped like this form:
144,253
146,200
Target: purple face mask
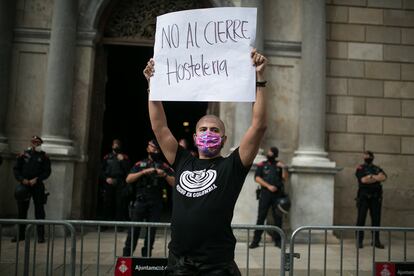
209,143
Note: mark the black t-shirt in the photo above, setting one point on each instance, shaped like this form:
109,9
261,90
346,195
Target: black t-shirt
204,197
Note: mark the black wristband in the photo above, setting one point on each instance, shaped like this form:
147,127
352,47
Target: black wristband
261,83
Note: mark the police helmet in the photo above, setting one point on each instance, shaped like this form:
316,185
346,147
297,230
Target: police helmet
22,192
282,206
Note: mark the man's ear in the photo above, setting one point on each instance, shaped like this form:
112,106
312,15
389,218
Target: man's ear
223,141
195,139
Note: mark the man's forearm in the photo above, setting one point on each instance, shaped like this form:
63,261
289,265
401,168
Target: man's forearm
380,177
157,116
369,179
133,177
259,108
262,182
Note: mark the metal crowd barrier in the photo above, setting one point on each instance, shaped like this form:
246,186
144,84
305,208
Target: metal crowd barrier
112,228
309,235
105,238
50,254
95,245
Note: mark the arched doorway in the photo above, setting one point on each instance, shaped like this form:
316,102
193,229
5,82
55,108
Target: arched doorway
119,108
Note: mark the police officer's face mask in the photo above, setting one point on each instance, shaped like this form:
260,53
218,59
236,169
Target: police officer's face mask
209,143
156,156
117,149
368,160
270,157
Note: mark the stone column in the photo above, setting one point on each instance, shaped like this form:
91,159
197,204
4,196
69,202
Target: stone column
59,81
7,12
243,111
58,106
312,178
246,207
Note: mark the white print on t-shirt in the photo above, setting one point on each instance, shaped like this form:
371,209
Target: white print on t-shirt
197,183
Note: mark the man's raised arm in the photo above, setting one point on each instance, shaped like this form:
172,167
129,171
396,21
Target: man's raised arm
250,143
163,134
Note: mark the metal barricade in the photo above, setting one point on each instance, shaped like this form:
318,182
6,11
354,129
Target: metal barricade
104,238
323,249
95,246
269,253
47,252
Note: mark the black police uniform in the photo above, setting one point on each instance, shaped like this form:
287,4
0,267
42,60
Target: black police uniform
115,196
29,165
147,203
369,198
272,174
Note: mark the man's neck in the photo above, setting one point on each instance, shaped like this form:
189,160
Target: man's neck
204,157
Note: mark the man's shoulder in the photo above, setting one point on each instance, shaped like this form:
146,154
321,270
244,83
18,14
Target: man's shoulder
377,168
360,167
44,154
261,164
126,157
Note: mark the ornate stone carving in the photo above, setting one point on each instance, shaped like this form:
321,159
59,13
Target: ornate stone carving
135,20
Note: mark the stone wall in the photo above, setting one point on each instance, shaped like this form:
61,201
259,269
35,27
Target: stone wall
370,101
25,92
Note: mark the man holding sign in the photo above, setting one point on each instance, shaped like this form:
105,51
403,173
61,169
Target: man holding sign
206,188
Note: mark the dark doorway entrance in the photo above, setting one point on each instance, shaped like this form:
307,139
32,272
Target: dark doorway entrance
126,109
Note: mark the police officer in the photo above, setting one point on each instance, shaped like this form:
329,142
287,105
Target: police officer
31,169
115,168
369,196
270,175
148,178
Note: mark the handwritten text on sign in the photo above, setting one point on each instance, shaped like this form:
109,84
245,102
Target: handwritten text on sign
204,55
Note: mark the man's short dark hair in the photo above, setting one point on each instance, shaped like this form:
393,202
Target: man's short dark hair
275,151
370,153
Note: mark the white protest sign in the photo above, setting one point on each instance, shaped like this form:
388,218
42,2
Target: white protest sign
204,55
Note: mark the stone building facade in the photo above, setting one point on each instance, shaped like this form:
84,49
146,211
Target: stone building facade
340,81
370,92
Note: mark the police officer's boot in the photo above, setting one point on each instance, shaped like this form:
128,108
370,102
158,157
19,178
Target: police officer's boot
256,239
145,252
379,245
254,243
377,242
126,252
21,234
